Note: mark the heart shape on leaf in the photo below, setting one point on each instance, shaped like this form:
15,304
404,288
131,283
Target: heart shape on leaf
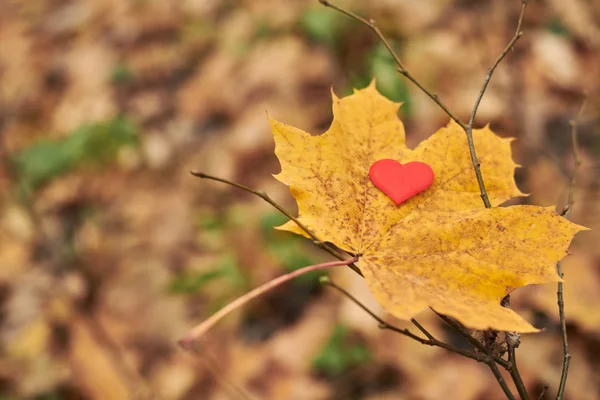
400,182
442,249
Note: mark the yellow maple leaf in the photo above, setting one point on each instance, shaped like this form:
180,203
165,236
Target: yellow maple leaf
441,248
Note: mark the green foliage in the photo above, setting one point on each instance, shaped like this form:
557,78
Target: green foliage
288,249
91,144
121,75
227,268
382,66
262,30
192,283
323,25
270,220
210,222
556,27
339,354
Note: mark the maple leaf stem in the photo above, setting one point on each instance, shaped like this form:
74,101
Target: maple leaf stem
559,292
316,241
430,341
202,328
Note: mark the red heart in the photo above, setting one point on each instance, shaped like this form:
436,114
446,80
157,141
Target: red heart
401,182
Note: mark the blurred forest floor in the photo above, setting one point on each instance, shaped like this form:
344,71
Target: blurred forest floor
110,251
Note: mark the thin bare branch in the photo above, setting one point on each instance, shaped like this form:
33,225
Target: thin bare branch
462,331
543,392
501,381
495,370
422,329
507,49
512,340
559,292
474,342
468,128
563,331
486,81
573,124
514,372
201,329
316,241
430,341
135,383
371,24
232,390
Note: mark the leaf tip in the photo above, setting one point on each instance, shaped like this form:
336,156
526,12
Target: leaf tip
334,96
523,194
284,227
533,329
582,228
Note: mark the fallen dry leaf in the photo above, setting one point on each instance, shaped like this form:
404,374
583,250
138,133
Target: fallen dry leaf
441,248
581,296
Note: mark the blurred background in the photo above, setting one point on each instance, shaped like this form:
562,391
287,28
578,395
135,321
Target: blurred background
110,250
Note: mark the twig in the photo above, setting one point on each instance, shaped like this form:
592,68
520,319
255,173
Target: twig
232,390
135,384
512,341
495,370
510,366
263,195
514,372
563,330
544,390
468,128
476,343
484,355
422,329
401,68
509,46
559,292
201,329
501,381
430,341
576,160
